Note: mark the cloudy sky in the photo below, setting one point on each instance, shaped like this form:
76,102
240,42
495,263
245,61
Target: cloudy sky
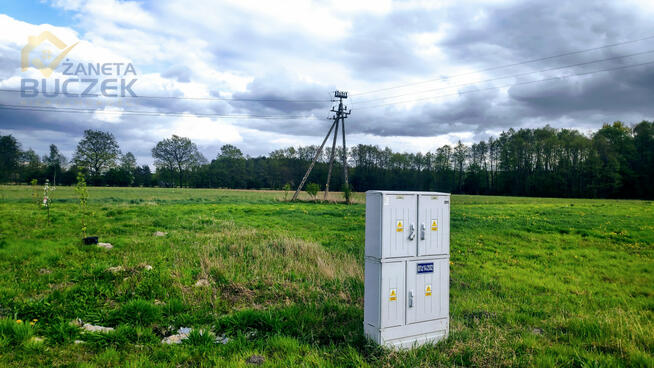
420,73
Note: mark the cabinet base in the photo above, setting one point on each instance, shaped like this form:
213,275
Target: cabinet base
409,336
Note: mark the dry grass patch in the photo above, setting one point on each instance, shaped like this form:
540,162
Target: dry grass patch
273,256
246,267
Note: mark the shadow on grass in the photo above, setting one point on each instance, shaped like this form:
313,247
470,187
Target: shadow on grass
326,324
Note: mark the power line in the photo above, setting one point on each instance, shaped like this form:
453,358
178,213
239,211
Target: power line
149,113
506,66
57,94
506,76
512,85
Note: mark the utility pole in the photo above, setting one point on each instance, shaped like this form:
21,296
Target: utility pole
345,179
339,116
331,163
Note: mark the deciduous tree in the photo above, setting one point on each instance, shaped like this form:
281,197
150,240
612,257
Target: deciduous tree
9,157
97,152
177,154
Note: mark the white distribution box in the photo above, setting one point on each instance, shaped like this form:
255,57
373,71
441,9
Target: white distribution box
407,269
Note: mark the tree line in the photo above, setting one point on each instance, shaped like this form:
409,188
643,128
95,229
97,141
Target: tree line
616,161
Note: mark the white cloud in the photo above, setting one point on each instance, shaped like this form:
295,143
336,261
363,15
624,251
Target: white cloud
203,130
109,114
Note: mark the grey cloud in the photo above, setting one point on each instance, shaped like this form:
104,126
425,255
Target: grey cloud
470,112
379,46
283,93
180,73
527,30
8,66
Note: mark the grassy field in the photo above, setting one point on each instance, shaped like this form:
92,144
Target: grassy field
534,282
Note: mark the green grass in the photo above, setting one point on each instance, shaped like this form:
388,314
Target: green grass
534,282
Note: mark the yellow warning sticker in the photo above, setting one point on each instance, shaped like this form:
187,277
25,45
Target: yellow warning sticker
434,225
393,295
399,226
428,290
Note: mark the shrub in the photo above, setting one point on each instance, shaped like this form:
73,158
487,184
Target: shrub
286,188
47,197
35,192
312,189
83,195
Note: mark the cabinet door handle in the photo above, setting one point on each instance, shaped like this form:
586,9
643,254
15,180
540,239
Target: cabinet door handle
412,232
410,298
422,231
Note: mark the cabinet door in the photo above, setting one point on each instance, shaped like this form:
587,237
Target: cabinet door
434,225
399,226
393,291
428,290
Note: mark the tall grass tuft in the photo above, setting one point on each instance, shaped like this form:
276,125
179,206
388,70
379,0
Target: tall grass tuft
14,333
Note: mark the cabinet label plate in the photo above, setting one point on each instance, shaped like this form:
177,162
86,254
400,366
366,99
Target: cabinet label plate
425,267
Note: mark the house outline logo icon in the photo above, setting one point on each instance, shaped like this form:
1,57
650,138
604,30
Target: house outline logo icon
33,42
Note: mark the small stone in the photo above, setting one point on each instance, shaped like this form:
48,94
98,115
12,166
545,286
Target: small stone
202,282
255,359
537,331
222,339
250,334
147,267
159,233
92,328
44,271
105,245
158,302
77,342
182,334
77,322
37,339
174,339
116,269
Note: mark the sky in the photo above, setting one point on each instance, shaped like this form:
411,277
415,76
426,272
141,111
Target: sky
420,74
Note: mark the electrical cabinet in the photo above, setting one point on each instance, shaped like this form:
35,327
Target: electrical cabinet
406,299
